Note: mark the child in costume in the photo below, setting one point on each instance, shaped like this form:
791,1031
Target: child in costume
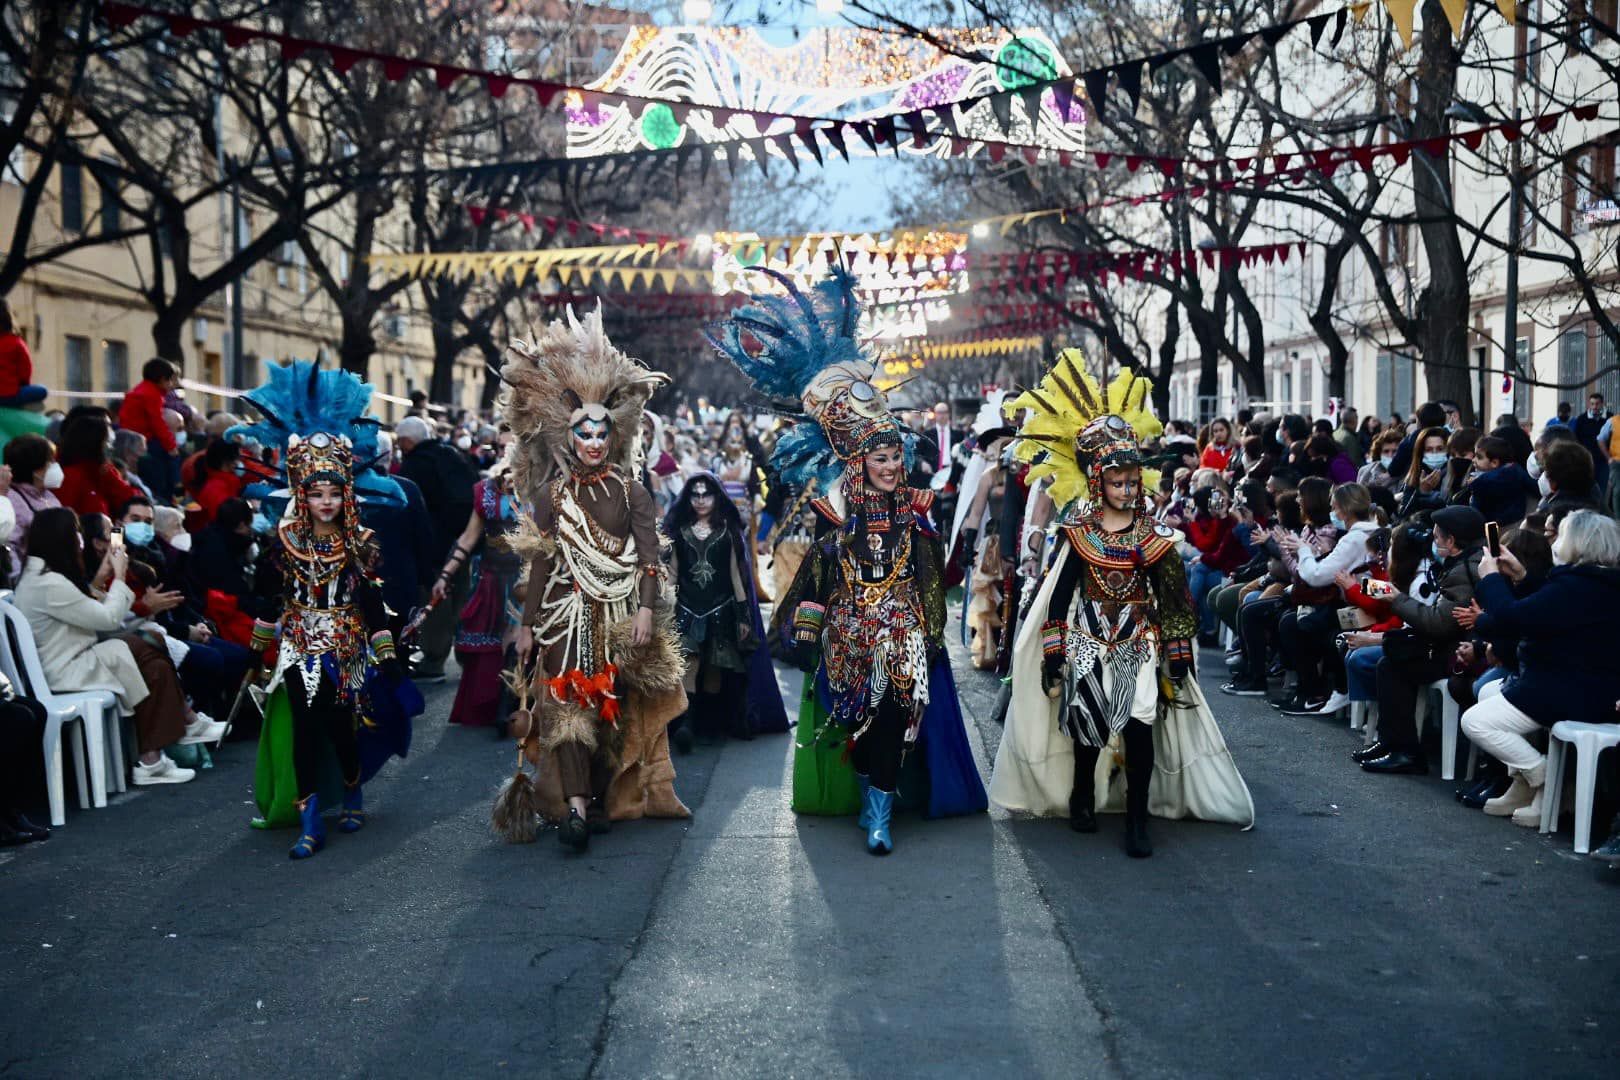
1105,655
867,606
608,672
729,678
335,672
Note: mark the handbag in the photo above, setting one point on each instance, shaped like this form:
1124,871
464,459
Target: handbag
1353,618
1407,646
1303,595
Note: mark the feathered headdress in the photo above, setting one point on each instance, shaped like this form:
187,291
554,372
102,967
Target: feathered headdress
300,399
571,372
1075,429
801,349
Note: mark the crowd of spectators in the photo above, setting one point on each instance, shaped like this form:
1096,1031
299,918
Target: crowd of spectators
1367,562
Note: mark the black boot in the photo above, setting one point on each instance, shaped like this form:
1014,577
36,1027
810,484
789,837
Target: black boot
574,833
1083,799
1138,776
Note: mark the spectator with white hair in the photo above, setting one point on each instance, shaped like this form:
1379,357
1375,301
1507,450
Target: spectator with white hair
1566,632
446,478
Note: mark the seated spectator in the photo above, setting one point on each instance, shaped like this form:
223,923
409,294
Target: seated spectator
22,728
90,484
170,524
66,617
219,563
1460,454
142,413
219,479
1423,487
1568,473
1430,417
1211,532
1421,653
1329,458
1309,633
1371,428
17,387
1566,632
1498,488
1403,550
1263,603
1375,474
1520,447
1217,447
35,478
128,449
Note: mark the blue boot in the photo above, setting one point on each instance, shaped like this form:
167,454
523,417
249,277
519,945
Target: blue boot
879,805
353,816
865,818
314,836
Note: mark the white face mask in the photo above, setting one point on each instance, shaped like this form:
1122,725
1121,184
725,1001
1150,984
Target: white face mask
464,442
1544,485
53,477
180,541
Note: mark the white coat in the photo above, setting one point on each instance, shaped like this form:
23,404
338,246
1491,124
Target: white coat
65,623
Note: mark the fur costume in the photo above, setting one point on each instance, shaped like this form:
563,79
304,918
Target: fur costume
594,555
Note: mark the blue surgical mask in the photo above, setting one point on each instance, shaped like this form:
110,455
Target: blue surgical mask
1338,522
1388,460
1434,550
1435,461
261,524
138,533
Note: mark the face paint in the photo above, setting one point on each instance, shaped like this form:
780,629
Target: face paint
591,442
885,468
325,501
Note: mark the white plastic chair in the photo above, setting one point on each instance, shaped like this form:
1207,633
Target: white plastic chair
1450,722
94,707
1589,740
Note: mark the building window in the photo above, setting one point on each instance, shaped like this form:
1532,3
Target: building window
72,197
1521,385
1572,360
114,366
76,362
1608,384
1405,386
107,186
1383,387
1288,390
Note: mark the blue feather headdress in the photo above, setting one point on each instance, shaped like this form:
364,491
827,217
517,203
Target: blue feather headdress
301,399
801,348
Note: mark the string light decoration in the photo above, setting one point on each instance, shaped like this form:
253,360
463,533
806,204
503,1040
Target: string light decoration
845,72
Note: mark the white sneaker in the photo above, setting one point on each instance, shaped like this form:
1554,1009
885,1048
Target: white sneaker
1518,795
1530,816
1336,703
203,730
161,771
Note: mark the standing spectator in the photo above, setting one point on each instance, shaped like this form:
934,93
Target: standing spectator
1216,452
446,479
1423,652
1608,443
1453,416
1509,428
1348,438
35,479
1586,427
142,413
1565,411
17,389
90,484
220,476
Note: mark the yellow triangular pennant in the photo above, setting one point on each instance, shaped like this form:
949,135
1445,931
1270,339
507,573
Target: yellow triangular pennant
1400,13
1456,12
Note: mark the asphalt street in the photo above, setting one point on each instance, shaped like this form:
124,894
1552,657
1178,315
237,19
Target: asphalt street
1368,926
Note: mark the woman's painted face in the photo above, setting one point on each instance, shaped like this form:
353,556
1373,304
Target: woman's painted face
703,501
886,467
591,441
325,501
1121,487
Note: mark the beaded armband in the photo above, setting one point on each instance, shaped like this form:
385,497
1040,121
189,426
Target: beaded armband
264,634
1053,631
807,622
1179,651
382,645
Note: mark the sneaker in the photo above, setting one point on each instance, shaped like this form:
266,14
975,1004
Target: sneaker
203,730
1304,708
1244,689
161,771
1610,851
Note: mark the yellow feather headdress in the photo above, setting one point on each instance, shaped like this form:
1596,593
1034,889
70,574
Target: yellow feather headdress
1061,406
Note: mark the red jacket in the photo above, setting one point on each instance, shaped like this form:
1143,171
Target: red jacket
16,365
1216,457
1378,609
216,489
142,412
88,488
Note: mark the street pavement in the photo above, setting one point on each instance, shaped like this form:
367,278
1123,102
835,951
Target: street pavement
1368,926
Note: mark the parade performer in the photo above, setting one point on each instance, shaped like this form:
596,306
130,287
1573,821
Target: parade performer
489,621
608,676
343,687
868,603
1104,659
730,682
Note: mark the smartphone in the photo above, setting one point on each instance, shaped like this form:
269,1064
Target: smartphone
1378,590
115,539
1493,538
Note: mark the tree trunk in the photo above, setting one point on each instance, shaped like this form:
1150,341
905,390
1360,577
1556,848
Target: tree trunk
168,332
357,347
1167,361
1442,314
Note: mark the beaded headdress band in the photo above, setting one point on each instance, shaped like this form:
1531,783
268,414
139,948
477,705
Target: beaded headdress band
320,456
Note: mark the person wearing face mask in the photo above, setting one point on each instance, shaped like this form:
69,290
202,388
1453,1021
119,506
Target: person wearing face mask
35,479
1421,653
1429,415
1375,474
867,607
219,564
1422,488
90,484
220,476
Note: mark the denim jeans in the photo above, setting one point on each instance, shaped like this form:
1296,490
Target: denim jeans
1491,675
1360,669
1200,579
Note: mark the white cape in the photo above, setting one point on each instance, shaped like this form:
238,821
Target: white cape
1193,771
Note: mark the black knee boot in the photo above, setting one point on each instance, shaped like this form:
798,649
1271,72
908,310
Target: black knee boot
1083,799
1138,775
